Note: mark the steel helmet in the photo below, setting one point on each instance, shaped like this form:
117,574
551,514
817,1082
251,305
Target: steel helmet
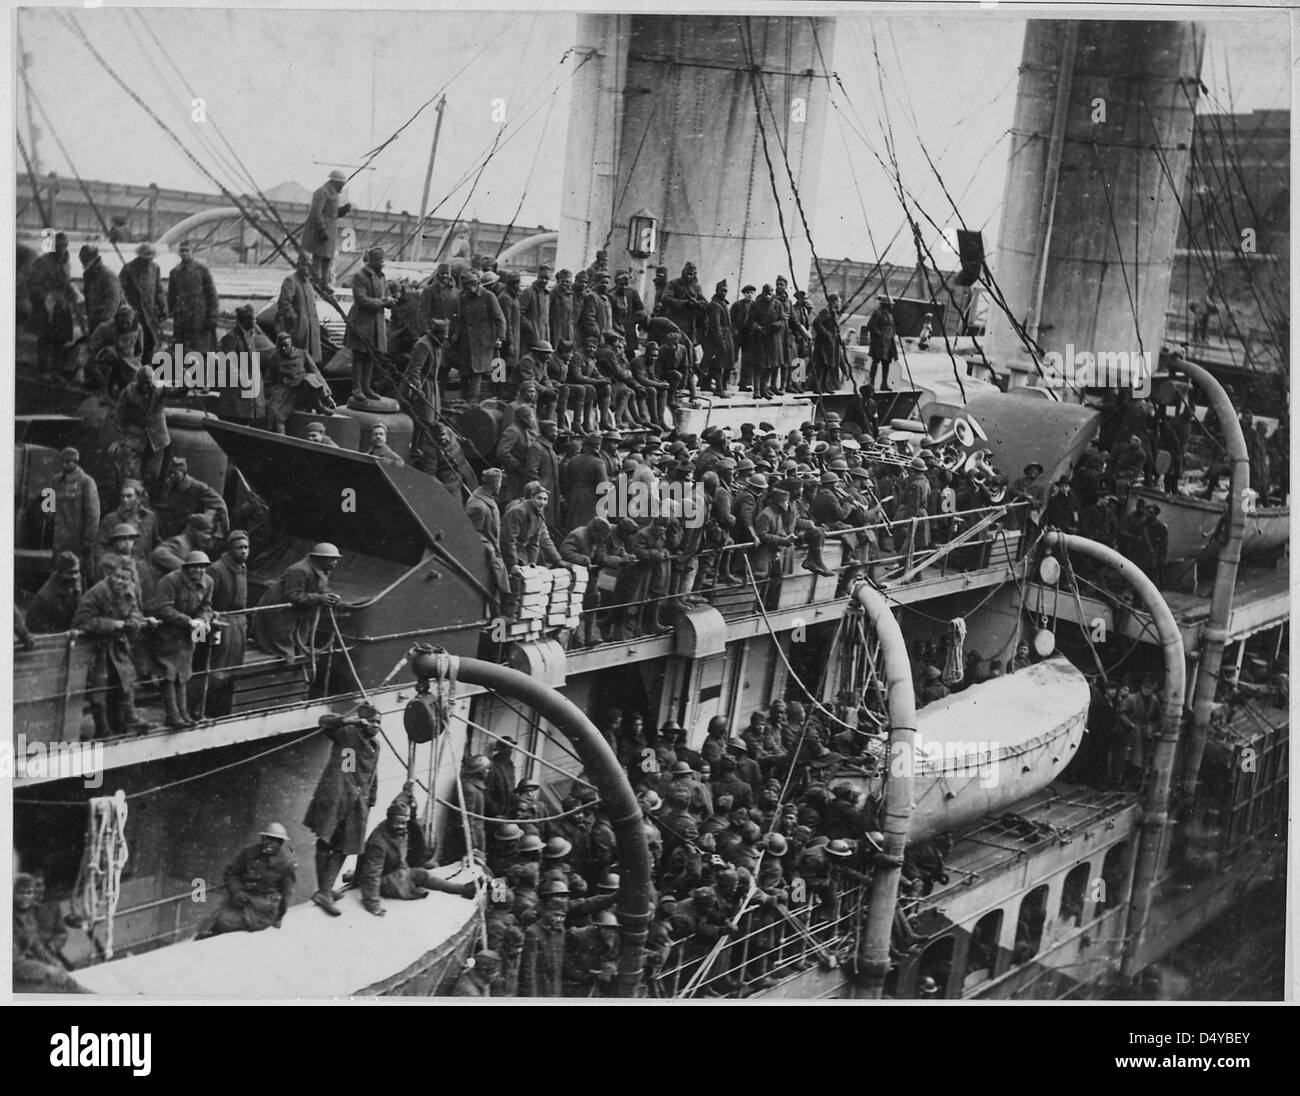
555,888
123,529
557,848
679,767
605,919
839,847
530,843
197,559
325,550
275,830
508,832
610,882
777,845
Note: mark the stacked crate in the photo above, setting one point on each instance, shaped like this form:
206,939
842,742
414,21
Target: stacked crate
550,599
534,603
567,592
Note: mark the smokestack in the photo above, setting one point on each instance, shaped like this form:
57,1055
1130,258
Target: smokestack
1097,167
663,119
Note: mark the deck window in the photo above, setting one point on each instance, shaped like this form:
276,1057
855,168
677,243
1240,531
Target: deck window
982,960
1029,925
1074,893
1112,877
936,963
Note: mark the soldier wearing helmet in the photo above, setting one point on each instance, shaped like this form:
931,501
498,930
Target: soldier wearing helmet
120,548
715,742
503,849
305,587
473,797
383,871
591,957
259,883
541,966
701,802
182,602
523,804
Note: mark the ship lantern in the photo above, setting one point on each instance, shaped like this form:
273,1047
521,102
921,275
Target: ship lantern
642,234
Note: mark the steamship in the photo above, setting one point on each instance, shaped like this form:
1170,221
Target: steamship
1054,885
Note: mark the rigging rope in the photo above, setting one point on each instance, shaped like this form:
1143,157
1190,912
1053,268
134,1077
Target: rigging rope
31,178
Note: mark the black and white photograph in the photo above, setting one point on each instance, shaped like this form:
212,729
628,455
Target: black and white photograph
758,503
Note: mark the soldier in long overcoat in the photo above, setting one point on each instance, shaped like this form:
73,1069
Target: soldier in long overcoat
110,613
192,302
719,342
182,602
320,233
229,595
100,289
291,633
580,479
295,310
344,795
367,333
76,508
478,334
142,286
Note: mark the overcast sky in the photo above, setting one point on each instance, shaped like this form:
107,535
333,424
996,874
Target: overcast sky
289,88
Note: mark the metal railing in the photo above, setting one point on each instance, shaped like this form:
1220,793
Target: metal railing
53,696
860,555
770,943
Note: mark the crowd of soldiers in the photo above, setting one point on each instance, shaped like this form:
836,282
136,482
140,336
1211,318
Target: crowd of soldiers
754,838
589,469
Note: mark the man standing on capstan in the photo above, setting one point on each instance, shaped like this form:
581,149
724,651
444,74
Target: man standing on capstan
320,233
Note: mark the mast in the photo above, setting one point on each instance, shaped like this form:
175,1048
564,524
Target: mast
428,177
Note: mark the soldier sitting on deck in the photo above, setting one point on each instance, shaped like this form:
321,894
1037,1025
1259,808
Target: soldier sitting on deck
259,884
382,870
36,965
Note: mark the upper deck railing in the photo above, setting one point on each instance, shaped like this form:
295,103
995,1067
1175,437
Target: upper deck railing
53,697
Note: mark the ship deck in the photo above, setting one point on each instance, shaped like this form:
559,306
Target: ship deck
998,843
405,953
1261,599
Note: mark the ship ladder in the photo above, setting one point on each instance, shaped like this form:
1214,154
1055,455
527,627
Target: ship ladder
99,884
